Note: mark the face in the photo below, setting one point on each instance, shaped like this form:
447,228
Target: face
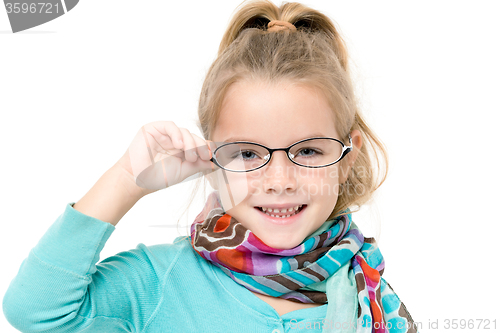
277,116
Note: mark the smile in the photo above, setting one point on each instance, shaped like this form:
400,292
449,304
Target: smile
281,213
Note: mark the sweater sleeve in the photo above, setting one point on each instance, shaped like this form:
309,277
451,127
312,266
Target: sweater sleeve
60,288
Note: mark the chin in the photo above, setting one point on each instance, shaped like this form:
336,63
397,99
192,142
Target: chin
284,243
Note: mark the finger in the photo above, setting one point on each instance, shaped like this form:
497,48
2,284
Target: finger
170,134
150,139
189,145
212,147
202,148
200,166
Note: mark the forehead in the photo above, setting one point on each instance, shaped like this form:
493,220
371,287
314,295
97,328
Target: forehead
274,113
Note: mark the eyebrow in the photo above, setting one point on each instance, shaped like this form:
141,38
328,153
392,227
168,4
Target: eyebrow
313,135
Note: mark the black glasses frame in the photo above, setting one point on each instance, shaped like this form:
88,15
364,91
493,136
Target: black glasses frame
345,151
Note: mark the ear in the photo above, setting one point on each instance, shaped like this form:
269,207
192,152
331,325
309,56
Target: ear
345,168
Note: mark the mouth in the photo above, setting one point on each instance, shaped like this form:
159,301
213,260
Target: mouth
282,213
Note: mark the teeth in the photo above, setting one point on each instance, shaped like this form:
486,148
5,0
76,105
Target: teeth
291,209
284,210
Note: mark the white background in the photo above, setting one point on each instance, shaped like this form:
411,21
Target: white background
74,91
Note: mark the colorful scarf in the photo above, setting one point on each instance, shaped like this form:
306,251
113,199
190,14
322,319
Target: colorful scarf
336,265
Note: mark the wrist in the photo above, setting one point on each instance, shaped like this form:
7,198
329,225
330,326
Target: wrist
110,198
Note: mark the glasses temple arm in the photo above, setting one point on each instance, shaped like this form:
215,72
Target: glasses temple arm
350,143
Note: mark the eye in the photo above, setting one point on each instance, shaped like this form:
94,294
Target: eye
246,155
308,152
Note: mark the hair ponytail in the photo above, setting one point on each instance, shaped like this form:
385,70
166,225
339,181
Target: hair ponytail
258,13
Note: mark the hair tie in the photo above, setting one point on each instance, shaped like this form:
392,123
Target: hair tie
277,25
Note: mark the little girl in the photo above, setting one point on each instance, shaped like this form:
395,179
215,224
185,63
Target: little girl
275,248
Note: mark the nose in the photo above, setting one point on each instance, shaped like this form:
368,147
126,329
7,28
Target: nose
279,174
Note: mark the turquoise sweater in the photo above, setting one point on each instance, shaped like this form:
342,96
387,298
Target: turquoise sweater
160,288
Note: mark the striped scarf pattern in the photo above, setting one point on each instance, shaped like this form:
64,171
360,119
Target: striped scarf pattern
300,274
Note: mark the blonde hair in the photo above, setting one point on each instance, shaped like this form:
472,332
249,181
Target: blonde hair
315,55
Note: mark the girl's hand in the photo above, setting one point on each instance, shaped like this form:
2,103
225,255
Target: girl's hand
163,155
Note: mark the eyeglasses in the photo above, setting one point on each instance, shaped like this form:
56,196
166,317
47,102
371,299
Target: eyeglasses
244,156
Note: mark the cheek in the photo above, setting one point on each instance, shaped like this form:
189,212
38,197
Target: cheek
234,188
316,174
321,182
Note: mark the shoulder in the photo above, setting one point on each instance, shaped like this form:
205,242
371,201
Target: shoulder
158,259
169,253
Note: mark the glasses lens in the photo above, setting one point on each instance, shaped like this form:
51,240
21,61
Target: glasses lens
316,152
241,156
